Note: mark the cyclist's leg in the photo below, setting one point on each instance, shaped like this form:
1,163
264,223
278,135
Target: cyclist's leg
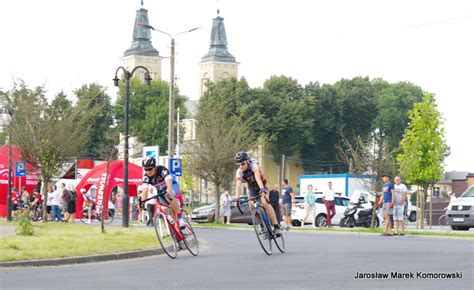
270,211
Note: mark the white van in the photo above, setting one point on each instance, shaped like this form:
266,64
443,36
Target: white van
460,214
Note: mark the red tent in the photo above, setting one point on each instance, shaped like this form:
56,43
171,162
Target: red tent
30,180
105,184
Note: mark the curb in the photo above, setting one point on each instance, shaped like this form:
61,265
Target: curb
83,259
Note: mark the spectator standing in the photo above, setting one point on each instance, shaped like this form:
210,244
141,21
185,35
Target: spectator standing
25,196
63,202
274,197
48,202
287,199
309,206
328,198
401,192
224,204
71,203
452,197
388,203
119,200
55,201
15,200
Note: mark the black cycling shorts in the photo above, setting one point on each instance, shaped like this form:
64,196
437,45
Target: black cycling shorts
254,191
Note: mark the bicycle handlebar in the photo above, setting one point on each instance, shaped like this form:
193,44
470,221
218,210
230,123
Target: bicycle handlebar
253,198
160,193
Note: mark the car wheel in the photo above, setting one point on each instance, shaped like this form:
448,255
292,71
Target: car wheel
412,217
296,223
377,222
321,221
454,228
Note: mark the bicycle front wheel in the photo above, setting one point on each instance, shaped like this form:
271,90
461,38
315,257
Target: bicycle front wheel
279,242
190,239
166,236
263,235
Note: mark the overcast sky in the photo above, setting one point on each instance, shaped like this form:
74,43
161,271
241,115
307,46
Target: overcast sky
64,44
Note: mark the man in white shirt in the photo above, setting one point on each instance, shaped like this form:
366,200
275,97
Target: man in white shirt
401,192
328,197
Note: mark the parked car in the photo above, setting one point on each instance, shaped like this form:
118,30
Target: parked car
460,214
297,211
206,214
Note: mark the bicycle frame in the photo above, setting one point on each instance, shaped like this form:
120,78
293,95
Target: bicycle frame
258,207
173,226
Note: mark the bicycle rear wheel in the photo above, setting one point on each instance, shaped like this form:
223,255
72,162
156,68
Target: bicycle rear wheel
190,239
263,235
166,236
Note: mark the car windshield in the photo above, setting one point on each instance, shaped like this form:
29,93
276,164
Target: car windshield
469,192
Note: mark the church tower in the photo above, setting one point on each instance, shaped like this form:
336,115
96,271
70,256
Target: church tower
218,63
142,52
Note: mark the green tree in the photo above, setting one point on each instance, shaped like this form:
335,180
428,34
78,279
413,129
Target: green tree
286,115
393,102
423,148
220,135
45,140
320,153
148,111
98,116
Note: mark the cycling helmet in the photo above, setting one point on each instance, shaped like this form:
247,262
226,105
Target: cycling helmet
149,161
241,156
83,190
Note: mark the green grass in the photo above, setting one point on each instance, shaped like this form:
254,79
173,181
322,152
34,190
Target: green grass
58,240
354,230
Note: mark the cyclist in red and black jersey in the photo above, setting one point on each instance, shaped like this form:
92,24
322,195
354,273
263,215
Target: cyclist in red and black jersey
159,177
250,172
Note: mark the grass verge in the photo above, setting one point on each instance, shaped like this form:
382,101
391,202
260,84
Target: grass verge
353,230
60,240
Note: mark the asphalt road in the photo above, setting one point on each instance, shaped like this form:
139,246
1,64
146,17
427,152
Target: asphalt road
233,259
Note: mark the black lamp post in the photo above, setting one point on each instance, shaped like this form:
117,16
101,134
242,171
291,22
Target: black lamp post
6,119
127,75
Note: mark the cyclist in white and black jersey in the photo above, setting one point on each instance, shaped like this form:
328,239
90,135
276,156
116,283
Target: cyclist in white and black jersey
250,172
160,178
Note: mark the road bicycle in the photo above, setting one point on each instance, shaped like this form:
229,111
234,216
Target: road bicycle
442,221
263,227
168,231
109,218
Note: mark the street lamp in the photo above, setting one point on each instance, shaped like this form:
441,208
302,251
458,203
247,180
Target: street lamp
171,86
127,75
6,119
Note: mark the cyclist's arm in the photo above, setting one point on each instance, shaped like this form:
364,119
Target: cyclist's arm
169,186
238,187
258,178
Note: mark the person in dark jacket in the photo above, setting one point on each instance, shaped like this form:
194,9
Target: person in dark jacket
275,201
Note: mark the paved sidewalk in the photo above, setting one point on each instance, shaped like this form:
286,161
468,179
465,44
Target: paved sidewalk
7,230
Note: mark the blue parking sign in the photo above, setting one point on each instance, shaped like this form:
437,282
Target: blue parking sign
175,167
20,168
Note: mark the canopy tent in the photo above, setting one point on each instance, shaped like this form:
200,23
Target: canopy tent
30,180
104,183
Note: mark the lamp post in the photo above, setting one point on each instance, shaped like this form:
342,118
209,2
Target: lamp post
171,86
6,119
127,75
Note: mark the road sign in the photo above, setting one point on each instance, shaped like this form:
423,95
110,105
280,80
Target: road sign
175,167
151,151
20,168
